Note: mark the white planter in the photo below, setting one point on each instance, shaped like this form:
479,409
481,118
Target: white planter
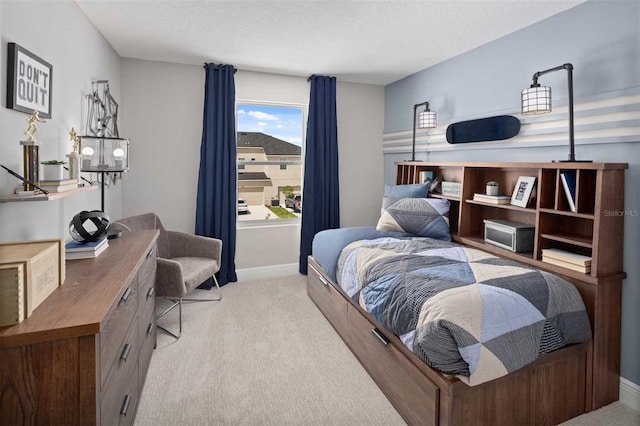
492,190
52,172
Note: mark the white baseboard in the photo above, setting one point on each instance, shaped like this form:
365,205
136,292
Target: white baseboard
630,393
267,271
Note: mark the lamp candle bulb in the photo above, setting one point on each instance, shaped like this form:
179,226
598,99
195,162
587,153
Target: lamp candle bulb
87,153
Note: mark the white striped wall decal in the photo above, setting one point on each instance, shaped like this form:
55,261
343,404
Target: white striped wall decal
600,119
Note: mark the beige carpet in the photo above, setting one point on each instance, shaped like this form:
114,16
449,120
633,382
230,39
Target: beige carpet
265,355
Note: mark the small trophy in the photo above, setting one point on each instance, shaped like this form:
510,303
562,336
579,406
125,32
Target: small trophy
74,156
30,153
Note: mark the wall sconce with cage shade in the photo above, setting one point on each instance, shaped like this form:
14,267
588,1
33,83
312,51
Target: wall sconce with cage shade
537,100
426,119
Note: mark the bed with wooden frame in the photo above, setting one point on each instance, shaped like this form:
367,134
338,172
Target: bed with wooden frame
560,385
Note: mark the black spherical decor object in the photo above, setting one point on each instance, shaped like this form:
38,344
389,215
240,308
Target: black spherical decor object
99,219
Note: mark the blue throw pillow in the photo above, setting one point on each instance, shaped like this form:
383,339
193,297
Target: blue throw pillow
422,217
418,190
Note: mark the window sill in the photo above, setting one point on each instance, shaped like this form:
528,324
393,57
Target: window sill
268,223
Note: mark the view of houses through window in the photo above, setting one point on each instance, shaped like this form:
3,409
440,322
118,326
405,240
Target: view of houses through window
269,152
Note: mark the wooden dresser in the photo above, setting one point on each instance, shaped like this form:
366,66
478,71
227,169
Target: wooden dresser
81,358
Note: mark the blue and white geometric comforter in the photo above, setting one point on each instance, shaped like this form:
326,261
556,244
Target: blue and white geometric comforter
463,311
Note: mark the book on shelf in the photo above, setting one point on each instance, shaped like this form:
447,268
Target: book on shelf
59,188
426,175
569,185
57,182
76,246
567,256
553,261
86,254
492,199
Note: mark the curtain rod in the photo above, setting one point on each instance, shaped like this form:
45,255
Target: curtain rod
217,67
316,75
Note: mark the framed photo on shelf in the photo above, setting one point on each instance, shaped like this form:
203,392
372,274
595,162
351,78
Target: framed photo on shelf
29,80
522,191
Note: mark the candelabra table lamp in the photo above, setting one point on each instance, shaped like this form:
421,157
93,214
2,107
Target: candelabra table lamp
103,155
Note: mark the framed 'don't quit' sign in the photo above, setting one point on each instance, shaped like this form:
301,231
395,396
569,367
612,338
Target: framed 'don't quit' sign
29,82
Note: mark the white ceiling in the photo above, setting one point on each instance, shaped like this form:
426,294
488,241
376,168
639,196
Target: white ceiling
375,42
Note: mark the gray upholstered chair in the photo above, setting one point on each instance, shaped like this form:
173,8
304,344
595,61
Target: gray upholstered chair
184,262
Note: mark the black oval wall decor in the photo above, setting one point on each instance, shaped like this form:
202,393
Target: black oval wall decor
487,129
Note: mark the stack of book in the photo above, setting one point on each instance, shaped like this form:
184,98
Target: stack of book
492,199
567,259
58,185
78,250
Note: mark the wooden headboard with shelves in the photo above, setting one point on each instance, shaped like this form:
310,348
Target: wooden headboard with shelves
594,229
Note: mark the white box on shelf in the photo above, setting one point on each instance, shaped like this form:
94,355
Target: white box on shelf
451,189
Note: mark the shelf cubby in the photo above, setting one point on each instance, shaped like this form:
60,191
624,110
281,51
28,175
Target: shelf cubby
569,229
548,184
586,191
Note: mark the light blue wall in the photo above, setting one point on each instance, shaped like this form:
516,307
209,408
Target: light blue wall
602,40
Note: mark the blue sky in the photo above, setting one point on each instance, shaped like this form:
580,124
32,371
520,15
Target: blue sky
280,122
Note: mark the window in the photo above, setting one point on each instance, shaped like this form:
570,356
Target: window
269,150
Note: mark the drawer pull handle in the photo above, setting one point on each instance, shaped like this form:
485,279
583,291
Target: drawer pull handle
150,252
150,328
380,336
320,277
125,405
150,291
125,352
126,295
322,280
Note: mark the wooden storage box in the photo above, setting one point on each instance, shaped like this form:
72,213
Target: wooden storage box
29,272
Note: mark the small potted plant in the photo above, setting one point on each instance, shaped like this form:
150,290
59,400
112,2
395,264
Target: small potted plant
492,188
52,170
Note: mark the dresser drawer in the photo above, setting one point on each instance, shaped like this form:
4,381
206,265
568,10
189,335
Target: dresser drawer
146,311
147,344
327,297
400,380
117,325
118,407
147,274
126,360
121,375
146,316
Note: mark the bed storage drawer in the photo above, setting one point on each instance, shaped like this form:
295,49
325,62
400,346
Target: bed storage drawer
413,395
332,304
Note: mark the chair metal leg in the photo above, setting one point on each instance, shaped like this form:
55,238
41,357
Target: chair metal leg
178,303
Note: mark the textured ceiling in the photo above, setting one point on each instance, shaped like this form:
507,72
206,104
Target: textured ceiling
375,42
